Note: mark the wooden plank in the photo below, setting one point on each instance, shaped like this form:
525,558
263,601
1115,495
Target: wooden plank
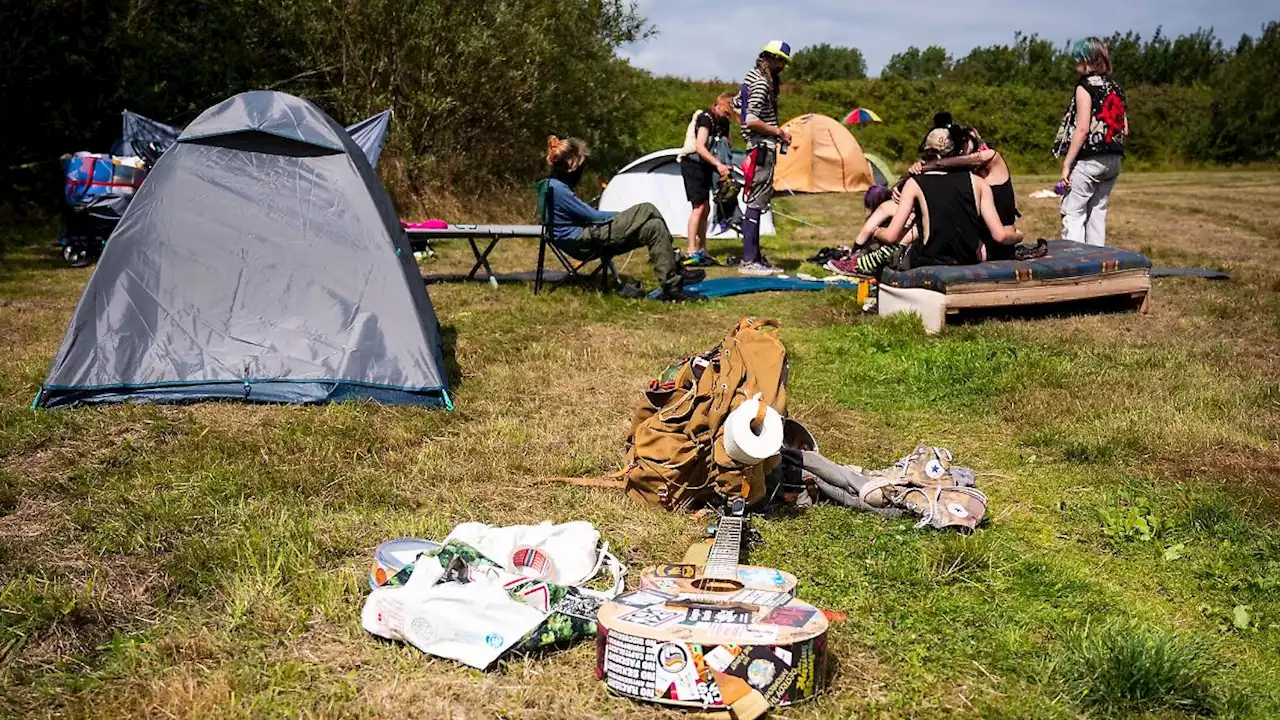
1081,289
981,287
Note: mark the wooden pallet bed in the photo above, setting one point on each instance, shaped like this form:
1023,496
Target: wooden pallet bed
1070,271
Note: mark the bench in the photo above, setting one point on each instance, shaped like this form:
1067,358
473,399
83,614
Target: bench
573,259
419,238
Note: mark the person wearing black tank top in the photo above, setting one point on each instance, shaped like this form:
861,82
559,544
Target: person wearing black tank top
987,163
956,213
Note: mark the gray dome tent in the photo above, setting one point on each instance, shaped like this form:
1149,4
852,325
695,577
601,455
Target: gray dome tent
262,260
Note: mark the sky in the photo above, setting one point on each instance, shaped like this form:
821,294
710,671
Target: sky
719,39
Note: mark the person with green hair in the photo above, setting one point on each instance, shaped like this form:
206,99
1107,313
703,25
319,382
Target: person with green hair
1091,143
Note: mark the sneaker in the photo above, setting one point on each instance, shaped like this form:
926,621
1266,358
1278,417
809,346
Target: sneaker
843,266
758,269
681,295
698,259
693,276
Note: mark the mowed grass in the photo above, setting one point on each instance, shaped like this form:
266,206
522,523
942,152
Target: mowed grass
211,560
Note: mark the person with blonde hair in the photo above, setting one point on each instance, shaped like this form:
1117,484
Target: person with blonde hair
699,166
577,225
1091,144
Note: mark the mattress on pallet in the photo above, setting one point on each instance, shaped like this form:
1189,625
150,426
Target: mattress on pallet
1065,261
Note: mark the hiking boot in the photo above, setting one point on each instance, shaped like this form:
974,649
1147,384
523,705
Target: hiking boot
693,276
758,269
681,295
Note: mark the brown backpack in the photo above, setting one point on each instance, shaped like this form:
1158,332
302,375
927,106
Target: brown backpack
675,456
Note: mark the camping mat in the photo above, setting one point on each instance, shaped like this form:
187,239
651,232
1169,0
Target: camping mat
1205,273
1065,259
725,286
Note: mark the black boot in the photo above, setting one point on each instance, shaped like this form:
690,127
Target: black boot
681,295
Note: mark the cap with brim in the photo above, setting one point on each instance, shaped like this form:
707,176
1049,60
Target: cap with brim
778,48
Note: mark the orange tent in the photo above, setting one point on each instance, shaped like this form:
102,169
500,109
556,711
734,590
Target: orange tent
823,157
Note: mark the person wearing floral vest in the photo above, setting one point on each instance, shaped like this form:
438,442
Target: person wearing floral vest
1091,143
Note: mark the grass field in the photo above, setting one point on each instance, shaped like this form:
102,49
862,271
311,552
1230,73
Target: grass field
210,560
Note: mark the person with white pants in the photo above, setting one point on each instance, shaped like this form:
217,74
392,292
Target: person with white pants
1091,144
1084,209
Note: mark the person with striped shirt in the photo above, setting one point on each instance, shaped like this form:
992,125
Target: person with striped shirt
757,105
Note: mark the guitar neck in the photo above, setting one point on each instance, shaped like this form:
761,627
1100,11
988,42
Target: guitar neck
726,551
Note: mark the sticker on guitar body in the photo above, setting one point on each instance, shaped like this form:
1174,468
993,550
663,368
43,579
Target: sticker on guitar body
683,572
651,617
763,598
644,598
726,616
795,617
761,577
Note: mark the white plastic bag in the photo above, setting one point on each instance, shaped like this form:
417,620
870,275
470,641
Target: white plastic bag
567,554
473,623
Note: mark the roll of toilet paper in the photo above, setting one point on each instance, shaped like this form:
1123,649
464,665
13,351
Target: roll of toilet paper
744,444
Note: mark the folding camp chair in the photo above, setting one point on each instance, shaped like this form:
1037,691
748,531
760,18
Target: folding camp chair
573,261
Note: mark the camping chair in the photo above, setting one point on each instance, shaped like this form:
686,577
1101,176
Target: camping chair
573,259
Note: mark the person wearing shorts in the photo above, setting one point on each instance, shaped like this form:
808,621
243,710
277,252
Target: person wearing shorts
699,168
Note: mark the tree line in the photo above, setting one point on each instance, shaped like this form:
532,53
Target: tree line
1213,102
476,87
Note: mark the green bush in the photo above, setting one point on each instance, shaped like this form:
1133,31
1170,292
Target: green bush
476,87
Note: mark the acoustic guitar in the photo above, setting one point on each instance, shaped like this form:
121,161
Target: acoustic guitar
714,634
712,568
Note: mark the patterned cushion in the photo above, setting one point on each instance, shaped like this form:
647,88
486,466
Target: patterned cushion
1066,259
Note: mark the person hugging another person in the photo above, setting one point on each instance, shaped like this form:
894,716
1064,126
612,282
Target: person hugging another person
577,225
869,250
699,166
974,155
954,214
758,114
1091,144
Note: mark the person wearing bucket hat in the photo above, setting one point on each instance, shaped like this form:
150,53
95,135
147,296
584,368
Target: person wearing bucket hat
757,105
1091,143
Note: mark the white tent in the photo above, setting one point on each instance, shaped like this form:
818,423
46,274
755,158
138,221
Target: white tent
655,178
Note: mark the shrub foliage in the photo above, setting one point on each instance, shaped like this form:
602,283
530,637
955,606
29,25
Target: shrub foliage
476,87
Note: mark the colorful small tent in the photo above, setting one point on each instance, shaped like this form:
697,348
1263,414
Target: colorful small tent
823,157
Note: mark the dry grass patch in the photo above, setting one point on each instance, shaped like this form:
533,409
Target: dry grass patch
210,560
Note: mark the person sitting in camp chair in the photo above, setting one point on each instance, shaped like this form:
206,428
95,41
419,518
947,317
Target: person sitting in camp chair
579,228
